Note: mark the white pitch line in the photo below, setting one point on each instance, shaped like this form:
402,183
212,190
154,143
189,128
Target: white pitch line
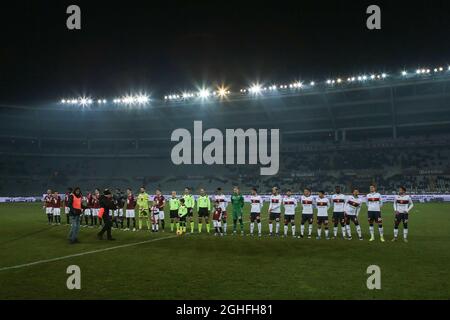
87,252
82,254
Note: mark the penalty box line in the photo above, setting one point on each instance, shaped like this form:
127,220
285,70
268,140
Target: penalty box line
88,252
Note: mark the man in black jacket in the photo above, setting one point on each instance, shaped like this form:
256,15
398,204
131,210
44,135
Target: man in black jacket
107,204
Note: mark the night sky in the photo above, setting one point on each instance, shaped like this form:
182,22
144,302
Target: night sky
158,47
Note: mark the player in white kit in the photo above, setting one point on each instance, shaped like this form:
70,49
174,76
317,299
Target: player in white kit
274,211
374,204
402,206
338,201
352,207
322,205
307,202
255,211
289,203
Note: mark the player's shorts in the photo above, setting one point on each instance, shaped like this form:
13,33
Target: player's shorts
66,210
56,211
130,213
322,219
399,217
190,212
274,216
203,212
173,214
161,214
351,217
374,216
182,218
339,216
307,217
48,210
289,218
94,212
87,212
254,216
143,213
237,215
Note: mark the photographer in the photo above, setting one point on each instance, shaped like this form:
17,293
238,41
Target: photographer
106,205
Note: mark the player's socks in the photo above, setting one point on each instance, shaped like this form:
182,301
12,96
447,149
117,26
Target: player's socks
319,232
285,230
208,227
67,218
343,230
140,224
358,230
277,227
259,227
148,224
310,227
335,231
241,224
252,227
192,226
234,225
380,230
270,227
224,227
293,230
395,232
200,226
178,225
172,225
163,224
405,233
326,232
302,230
128,223
372,233
349,232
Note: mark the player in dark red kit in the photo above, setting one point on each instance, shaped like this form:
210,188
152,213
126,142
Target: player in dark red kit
217,218
159,202
130,211
56,208
95,206
66,204
48,206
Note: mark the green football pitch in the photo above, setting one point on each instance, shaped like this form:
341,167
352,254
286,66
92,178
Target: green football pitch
143,265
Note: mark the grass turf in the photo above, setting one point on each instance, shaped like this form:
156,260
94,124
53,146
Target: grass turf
201,266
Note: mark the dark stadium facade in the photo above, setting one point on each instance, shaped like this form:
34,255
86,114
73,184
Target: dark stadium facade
391,132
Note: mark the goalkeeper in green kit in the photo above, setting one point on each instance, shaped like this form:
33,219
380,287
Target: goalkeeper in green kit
237,202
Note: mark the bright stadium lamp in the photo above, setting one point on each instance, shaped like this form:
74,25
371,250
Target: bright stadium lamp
204,93
404,73
312,83
222,92
63,101
255,89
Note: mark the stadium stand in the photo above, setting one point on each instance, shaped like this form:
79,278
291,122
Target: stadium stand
392,133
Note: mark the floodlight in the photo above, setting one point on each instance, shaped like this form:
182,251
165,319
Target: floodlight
255,89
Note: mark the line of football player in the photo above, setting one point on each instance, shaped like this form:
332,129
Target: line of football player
150,211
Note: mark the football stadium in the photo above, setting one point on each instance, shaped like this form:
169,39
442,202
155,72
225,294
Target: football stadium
284,183
387,130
